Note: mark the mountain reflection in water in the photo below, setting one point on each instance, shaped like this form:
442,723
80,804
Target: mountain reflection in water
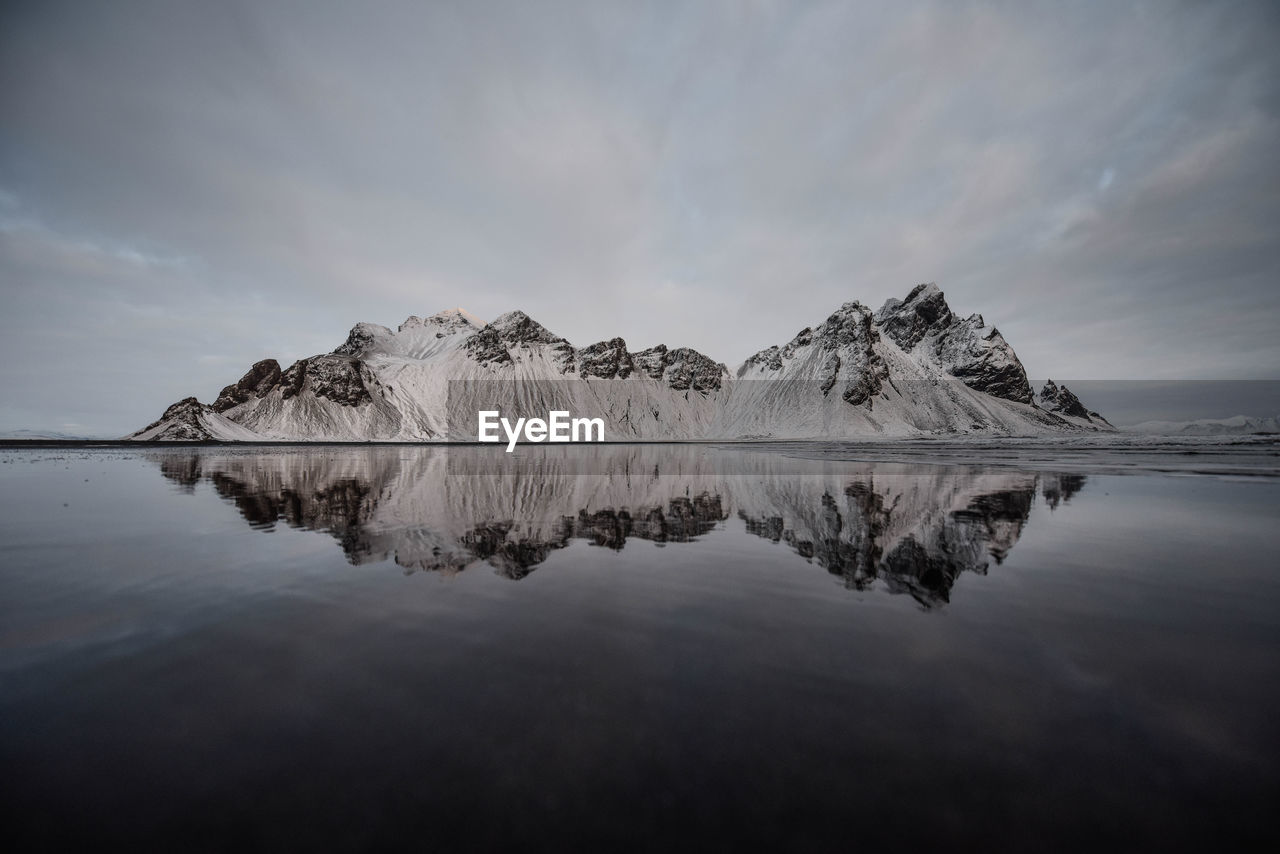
903,528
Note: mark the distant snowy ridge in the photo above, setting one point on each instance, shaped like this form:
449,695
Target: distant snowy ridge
36,435
913,368
1239,425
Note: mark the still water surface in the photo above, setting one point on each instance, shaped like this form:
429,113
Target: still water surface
661,647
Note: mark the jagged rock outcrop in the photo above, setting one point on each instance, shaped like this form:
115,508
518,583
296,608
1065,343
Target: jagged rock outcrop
908,321
1060,400
189,420
362,338
257,383
912,368
606,360
337,378
1057,399
686,368
978,356
183,421
518,331
486,348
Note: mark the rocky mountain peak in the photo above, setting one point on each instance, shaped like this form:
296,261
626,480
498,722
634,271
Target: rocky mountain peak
683,368
186,407
907,322
256,384
447,321
454,320
913,366
606,360
851,324
334,377
516,327
689,369
769,359
1055,398
181,422
652,362
362,338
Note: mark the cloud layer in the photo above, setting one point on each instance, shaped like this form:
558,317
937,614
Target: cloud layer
187,188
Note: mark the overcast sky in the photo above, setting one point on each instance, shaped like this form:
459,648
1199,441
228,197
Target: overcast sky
188,188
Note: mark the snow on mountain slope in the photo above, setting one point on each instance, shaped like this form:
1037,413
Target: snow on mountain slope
189,420
912,368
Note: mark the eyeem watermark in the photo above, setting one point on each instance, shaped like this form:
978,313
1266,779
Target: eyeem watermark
558,427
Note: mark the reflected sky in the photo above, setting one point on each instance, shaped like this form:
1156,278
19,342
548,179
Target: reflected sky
326,648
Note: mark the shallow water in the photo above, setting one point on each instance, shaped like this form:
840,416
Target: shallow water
670,647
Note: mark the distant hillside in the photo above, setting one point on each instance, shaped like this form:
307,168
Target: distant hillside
1239,425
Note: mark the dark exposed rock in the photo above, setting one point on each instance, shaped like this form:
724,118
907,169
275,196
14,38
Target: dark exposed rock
850,325
361,337
866,386
770,359
185,408
907,322
291,380
652,362
687,369
993,368
829,374
336,378
183,422
486,347
605,360
978,356
257,383
515,329
852,338
562,355
1055,398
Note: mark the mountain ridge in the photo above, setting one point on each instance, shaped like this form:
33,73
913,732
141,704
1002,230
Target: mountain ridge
911,368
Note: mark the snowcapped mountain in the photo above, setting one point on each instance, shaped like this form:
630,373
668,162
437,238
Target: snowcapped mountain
912,368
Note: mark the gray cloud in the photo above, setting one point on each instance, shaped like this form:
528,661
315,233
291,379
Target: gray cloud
187,188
